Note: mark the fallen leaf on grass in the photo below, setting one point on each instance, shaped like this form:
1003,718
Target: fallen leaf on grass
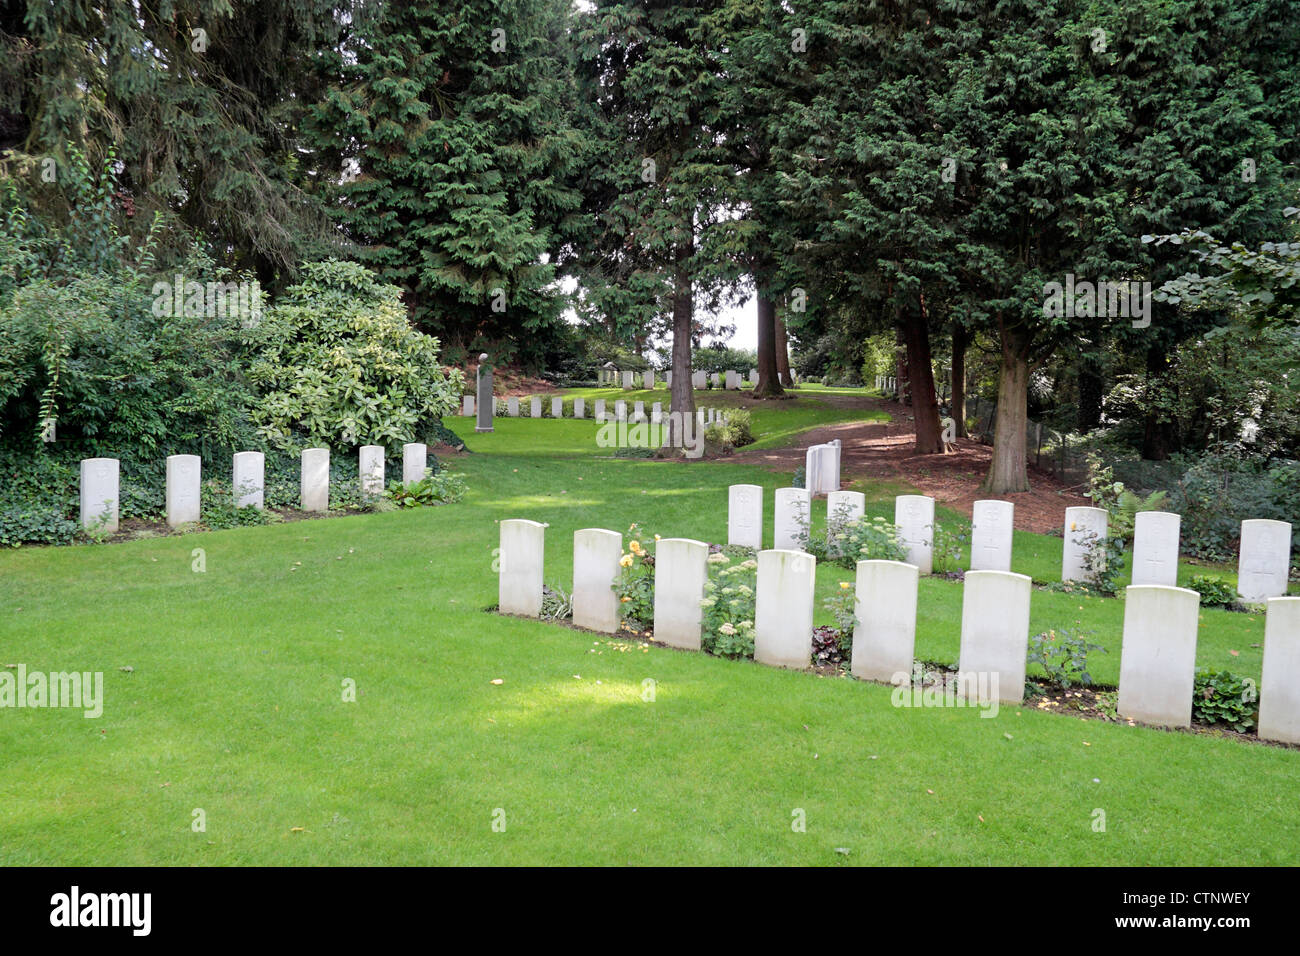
497,680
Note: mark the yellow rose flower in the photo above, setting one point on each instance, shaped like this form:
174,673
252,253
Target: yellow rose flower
626,561
844,585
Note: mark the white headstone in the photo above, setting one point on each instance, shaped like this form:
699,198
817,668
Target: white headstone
99,494
512,406
535,408
783,612
657,413
1082,525
182,497
415,458
248,479
370,469
914,516
638,411
600,409
992,523
629,380
828,471
994,633
668,378
620,410
1157,663
648,378
698,380
519,585
579,408
715,379
812,463
1265,559
792,518
884,639
467,406
557,407
753,376
745,516
596,554
733,380
1279,688
1155,548
680,568
314,494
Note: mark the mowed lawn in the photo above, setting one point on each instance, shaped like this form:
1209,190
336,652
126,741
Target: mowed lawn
233,705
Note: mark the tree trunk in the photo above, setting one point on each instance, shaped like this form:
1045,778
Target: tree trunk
1009,472
960,339
769,382
1158,439
681,403
900,366
1091,389
920,379
782,354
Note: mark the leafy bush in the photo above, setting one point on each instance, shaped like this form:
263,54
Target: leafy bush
340,365
1063,656
1224,697
860,539
433,489
947,547
729,603
557,604
834,645
1214,592
635,584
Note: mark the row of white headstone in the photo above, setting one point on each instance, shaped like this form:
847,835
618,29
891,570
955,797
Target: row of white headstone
886,383
1157,654
1263,564
100,482
703,416
629,380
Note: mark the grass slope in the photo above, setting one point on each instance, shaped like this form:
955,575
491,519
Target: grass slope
234,706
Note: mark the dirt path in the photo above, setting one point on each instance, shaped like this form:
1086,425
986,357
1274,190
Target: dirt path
879,450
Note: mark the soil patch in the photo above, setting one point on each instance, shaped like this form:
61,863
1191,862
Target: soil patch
883,451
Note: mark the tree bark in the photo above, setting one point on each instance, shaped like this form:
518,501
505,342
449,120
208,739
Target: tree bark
1091,389
769,382
920,379
900,367
782,354
960,340
1009,471
681,403
1158,438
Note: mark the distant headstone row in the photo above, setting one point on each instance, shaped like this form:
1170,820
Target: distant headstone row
631,380
100,495
557,407
1158,650
886,383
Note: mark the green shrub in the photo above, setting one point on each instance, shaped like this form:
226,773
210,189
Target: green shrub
635,584
729,607
1214,592
1224,697
339,364
1063,656
432,489
860,539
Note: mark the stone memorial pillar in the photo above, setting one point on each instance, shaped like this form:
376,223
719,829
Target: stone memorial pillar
182,495
486,400
248,479
680,570
884,639
596,554
783,612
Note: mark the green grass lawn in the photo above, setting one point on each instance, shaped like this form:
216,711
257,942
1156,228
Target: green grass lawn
234,706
